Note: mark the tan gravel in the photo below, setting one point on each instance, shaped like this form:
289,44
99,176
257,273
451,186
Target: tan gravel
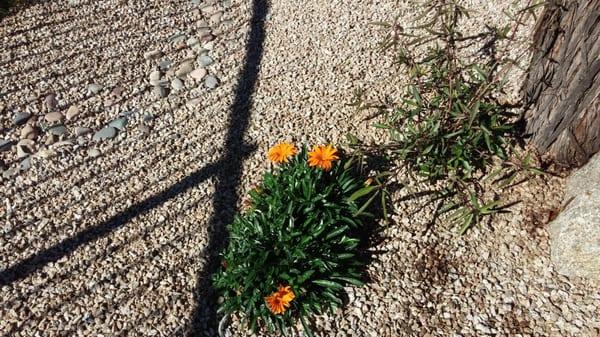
126,228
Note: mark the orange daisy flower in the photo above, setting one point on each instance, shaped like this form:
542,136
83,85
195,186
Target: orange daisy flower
322,156
281,152
279,301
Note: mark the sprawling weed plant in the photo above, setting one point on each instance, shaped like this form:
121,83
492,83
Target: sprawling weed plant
297,245
449,124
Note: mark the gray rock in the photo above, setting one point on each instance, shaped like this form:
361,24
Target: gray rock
5,144
119,123
165,64
53,117
160,91
575,233
192,41
105,133
93,153
95,88
72,112
226,3
82,131
58,130
117,91
25,164
184,69
177,84
196,2
198,73
153,54
148,117
211,82
155,76
177,37
215,18
9,173
21,118
50,102
204,60
203,31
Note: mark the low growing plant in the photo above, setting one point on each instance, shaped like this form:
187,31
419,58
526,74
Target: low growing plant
449,124
296,247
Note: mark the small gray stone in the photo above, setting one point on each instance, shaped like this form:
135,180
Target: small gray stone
105,133
117,91
198,73
215,18
178,37
21,117
93,153
196,2
575,233
155,76
153,54
203,31
82,131
53,117
177,84
50,102
72,112
184,69
95,88
226,3
204,60
119,123
192,41
148,117
58,130
25,164
211,82
165,64
5,144
9,173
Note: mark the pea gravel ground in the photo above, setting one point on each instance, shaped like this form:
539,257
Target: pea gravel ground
113,236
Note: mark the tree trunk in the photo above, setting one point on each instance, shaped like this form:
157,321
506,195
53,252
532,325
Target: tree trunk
562,88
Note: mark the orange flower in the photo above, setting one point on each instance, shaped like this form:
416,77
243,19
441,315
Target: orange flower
281,152
322,156
279,301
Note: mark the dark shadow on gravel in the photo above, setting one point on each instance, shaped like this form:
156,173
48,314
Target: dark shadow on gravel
204,319
227,171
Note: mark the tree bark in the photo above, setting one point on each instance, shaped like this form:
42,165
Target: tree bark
562,87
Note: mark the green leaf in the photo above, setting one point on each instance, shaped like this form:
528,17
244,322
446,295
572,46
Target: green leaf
328,284
365,205
350,280
362,192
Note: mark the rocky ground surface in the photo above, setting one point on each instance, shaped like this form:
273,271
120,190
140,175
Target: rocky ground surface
120,152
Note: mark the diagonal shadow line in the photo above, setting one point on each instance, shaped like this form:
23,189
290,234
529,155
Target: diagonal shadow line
204,317
66,247
227,171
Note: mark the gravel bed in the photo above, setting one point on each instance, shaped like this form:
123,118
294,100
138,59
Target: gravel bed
108,232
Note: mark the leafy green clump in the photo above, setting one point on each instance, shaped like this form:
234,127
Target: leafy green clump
303,230
449,125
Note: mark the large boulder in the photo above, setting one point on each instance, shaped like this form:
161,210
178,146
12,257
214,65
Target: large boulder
575,233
